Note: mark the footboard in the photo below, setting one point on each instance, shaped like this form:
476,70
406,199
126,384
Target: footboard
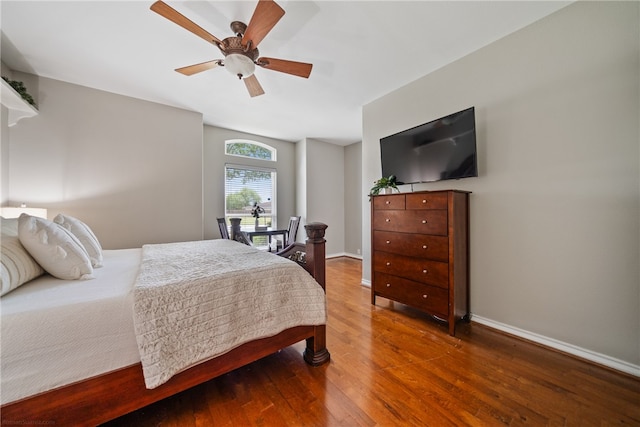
311,255
108,396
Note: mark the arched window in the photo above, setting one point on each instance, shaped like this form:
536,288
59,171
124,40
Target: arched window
251,149
249,185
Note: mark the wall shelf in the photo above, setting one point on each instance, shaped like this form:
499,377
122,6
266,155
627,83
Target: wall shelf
18,107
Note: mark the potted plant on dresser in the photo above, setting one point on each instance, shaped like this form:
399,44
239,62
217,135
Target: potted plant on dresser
384,185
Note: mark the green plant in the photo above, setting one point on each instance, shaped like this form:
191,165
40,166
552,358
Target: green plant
382,183
21,89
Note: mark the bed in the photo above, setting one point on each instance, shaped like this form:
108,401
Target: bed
63,363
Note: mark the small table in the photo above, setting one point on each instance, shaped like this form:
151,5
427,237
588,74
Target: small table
268,232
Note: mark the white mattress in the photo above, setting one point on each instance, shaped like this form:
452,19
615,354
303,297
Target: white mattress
46,321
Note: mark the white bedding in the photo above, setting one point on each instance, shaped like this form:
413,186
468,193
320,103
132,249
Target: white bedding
186,312
55,332
63,316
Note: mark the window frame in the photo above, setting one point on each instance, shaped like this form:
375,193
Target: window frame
272,150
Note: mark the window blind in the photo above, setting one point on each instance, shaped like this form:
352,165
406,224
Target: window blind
246,187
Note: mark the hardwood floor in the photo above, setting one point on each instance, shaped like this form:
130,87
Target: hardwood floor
392,365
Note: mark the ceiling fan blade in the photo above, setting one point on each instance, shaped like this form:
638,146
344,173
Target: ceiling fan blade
265,17
197,68
253,86
301,69
173,15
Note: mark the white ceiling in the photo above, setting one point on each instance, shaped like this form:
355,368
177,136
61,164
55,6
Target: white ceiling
361,50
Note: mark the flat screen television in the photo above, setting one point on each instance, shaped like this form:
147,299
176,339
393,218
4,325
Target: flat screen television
441,149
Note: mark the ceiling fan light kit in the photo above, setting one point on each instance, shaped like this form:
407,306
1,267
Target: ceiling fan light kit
241,51
239,65
239,60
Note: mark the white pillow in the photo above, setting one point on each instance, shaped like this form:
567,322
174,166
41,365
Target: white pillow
84,235
58,251
18,267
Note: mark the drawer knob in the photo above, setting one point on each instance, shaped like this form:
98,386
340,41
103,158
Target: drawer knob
388,285
425,296
388,241
388,263
424,200
424,221
387,220
424,246
425,271
387,202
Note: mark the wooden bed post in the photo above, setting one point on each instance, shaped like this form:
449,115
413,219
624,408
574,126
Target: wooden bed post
316,352
315,251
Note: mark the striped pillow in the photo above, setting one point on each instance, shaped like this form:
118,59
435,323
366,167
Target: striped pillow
18,266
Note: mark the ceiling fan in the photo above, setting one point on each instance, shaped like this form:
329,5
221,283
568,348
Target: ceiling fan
240,51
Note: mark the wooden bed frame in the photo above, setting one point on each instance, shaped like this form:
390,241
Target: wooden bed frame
108,396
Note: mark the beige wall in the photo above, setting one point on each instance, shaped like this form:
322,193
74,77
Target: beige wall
130,169
555,212
321,195
353,199
139,172
215,160
301,185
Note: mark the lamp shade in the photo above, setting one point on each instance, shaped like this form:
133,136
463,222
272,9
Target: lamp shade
15,212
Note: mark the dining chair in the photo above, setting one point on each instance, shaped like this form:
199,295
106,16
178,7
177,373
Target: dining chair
292,230
222,225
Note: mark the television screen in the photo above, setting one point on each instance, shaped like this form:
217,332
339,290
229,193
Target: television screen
441,149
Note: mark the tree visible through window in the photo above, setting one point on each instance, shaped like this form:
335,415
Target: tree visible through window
244,188
256,150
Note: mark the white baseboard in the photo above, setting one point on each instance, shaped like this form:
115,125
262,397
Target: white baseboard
338,255
355,256
602,359
341,254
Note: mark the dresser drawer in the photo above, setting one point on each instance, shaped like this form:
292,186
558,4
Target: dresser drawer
414,245
421,270
435,200
432,299
391,201
414,221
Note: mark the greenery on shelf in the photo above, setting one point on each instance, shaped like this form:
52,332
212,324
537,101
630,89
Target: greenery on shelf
21,89
383,183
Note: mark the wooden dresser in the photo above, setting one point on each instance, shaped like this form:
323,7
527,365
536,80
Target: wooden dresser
420,252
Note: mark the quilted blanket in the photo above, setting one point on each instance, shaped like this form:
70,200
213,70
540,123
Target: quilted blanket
197,300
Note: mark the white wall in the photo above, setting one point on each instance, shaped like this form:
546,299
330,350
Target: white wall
215,160
4,141
131,169
301,186
4,155
321,197
353,199
555,213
